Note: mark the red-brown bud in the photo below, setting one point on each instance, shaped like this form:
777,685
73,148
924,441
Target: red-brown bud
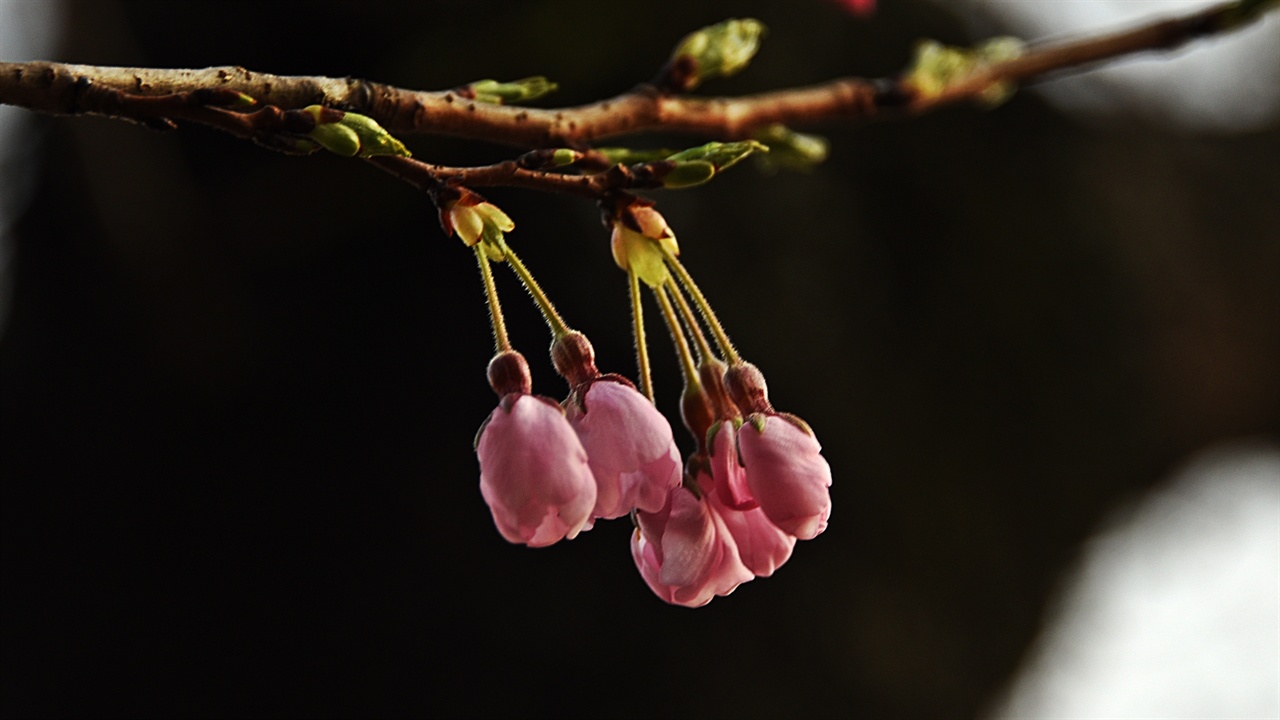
698,413
711,373
746,387
509,373
574,358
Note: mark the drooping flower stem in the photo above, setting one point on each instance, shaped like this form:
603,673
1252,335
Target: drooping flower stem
642,347
500,341
722,339
695,328
558,327
677,336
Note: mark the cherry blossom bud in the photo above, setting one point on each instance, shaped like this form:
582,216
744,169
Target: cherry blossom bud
533,472
762,546
730,478
685,553
574,358
786,473
629,446
746,387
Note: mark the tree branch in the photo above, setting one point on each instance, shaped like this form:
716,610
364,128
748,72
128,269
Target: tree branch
75,89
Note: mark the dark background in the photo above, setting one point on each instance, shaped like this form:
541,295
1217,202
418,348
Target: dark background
238,390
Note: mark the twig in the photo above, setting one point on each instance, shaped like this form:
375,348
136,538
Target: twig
73,89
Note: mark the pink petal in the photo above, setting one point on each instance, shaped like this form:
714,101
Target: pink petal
629,448
787,475
729,475
534,473
686,554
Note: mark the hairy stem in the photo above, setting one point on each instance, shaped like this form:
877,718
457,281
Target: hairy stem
677,337
642,345
500,340
554,321
704,307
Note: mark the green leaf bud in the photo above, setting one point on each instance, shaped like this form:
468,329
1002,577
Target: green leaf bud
938,67
721,155
516,91
715,51
688,174
790,149
351,134
337,139
374,139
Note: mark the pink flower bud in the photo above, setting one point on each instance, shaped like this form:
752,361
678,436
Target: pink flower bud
762,546
533,472
786,473
629,447
730,478
685,552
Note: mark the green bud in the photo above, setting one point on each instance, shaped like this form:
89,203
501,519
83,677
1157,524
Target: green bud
718,50
516,91
688,174
790,149
350,134
564,156
337,139
720,155
938,67
631,156
374,139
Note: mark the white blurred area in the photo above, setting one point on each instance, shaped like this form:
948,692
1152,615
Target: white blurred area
1174,610
1224,84
28,31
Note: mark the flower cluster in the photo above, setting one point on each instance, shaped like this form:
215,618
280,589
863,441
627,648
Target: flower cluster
755,483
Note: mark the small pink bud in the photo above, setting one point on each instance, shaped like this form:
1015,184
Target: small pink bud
685,552
629,447
786,473
533,472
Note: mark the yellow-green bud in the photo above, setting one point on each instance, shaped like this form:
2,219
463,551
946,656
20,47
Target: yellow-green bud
790,149
938,67
336,139
516,91
718,50
688,174
721,155
351,134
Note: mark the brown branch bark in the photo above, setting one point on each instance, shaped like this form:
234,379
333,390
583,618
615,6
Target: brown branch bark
73,89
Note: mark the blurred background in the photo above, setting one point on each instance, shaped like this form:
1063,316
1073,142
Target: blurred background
238,390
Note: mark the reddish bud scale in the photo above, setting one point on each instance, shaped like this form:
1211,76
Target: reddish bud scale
509,373
746,387
698,413
711,373
574,358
